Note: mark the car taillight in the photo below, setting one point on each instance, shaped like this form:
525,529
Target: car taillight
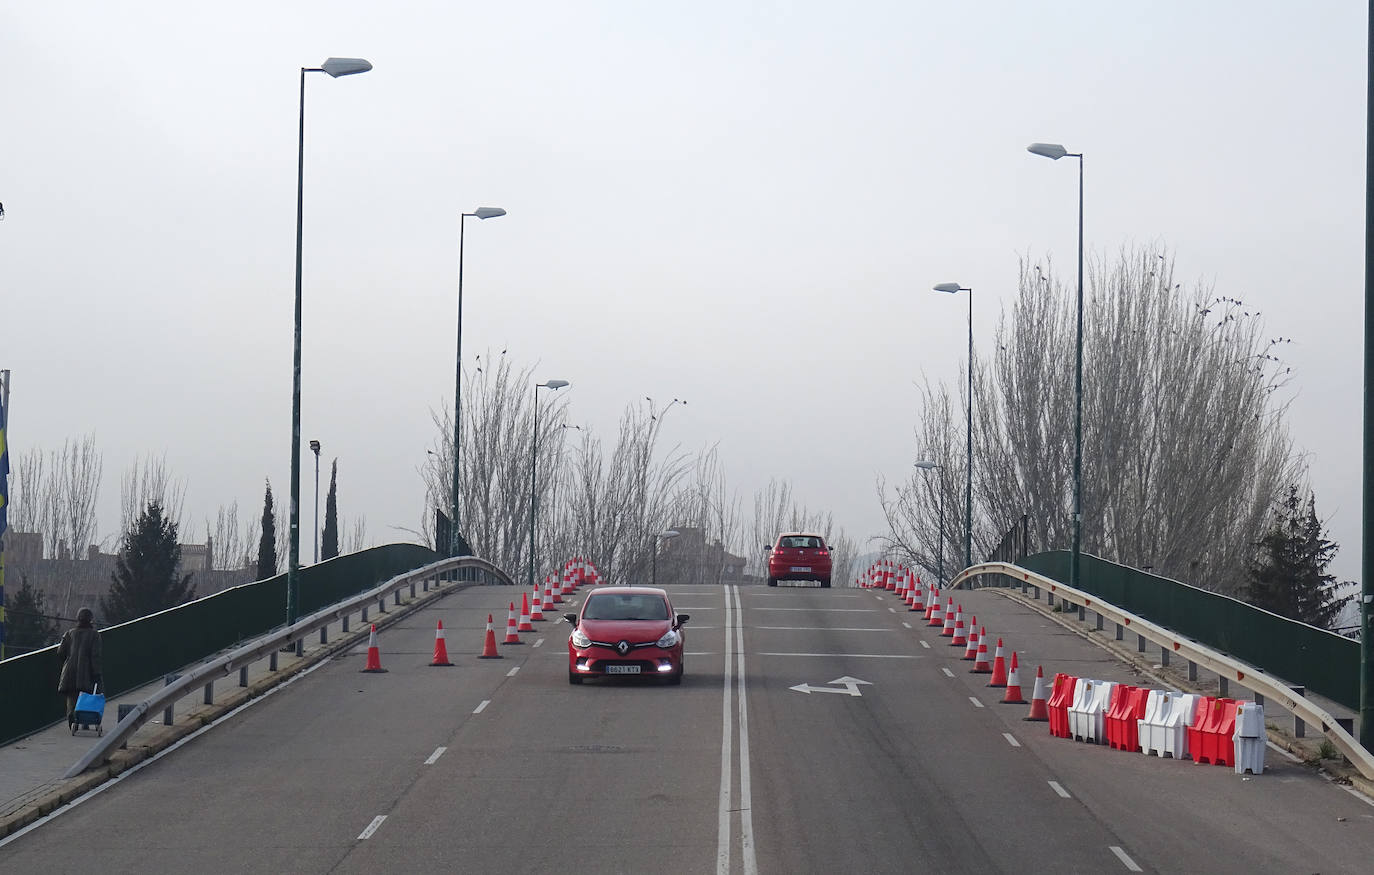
822,552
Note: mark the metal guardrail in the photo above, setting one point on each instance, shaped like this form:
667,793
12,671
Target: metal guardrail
269,644
1244,674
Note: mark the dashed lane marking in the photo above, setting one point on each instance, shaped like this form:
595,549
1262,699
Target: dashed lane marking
976,703
511,673
482,707
537,643
372,827
1054,785
1125,859
948,673
906,624
925,644
1011,739
434,757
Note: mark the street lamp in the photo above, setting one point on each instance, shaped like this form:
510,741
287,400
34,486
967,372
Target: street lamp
1054,151
315,448
661,536
334,67
939,575
454,536
953,288
534,466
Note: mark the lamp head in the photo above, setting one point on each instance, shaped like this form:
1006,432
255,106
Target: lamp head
487,212
554,384
337,67
671,533
949,287
1052,151
927,464
315,447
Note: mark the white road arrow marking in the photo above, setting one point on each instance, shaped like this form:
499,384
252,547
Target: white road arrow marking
851,687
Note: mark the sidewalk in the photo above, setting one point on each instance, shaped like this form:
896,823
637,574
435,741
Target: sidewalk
31,769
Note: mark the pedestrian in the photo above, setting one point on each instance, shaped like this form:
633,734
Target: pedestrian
80,655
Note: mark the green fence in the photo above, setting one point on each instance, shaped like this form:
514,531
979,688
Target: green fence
148,648
1324,662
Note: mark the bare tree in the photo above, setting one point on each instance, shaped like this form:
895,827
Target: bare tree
55,493
354,535
147,481
226,536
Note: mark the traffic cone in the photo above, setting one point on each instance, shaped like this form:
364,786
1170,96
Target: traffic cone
555,596
948,630
932,601
568,585
489,645
980,664
440,647
971,652
1040,709
524,614
960,636
1013,694
999,668
374,655
512,633
902,585
936,617
537,612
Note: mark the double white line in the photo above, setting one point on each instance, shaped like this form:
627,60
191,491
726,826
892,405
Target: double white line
734,669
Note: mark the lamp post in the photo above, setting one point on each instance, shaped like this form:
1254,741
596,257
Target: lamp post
1054,152
334,67
454,536
940,549
315,448
953,288
534,467
661,536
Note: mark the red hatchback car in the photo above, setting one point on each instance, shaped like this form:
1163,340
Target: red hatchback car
799,556
626,630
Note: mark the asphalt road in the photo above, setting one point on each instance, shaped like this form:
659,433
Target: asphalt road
893,759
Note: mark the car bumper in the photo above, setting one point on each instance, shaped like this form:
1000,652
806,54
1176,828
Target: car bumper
641,662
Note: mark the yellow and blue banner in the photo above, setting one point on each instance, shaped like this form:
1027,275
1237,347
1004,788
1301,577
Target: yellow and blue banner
4,501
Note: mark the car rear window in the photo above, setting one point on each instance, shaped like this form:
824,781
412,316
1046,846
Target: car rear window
800,541
613,606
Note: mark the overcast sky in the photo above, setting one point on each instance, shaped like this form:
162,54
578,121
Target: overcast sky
741,204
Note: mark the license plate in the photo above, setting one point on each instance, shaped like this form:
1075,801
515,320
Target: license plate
801,567
622,669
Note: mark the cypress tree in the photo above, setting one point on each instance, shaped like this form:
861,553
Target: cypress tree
330,548
267,544
1289,578
145,580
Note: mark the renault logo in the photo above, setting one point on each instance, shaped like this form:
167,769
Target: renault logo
623,647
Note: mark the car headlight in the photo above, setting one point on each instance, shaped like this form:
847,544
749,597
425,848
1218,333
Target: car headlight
669,639
580,639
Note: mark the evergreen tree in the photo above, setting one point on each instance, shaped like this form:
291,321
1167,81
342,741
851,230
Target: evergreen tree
330,548
145,579
27,626
1290,578
267,544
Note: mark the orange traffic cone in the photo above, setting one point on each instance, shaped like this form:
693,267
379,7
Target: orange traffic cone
440,647
555,596
374,655
980,664
960,637
999,668
971,652
537,612
937,618
1040,709
512,633
1013,694
489,646
568,585
948,630
525,614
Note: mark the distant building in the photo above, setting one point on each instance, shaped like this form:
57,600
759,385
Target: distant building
688,558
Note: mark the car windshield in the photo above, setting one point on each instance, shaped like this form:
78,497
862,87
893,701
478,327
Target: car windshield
801,541
630,606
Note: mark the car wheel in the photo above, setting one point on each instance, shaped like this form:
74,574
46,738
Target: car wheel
825,584
574,678
772,581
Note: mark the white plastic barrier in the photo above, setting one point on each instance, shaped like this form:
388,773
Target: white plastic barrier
1095,718
1250,738
1078,708
1151,728
1182,710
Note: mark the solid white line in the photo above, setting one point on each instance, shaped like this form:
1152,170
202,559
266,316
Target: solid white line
511,673
1054,785
1011,739
1357,794
372,827
948,673
726,752
42,821
434,757
819,629
1283,752
849,655
925,644
821,610
482,707
1125,859
976,703
746,797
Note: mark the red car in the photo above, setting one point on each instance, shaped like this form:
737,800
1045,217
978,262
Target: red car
626,630
799,556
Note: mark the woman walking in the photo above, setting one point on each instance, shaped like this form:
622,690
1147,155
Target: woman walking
80,655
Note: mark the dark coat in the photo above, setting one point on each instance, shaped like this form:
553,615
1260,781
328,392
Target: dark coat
80,655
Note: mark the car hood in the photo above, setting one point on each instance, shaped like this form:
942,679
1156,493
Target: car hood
633,631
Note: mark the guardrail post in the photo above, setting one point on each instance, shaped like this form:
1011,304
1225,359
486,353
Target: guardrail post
364,619
1299,728
397,595
125,711
1139,643
412,589
1120,632
167,681
1192,671
1099,622
324,634
1259,700
210,692
425,584
1163,655
1223,686
381,605
272,661
1049,599
300,647
345,624
1082,613
243,676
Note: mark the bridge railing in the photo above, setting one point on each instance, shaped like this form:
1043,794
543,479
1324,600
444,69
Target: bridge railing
267,646
1233,670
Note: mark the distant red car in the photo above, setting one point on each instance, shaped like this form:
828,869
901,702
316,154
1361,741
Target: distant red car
799,556
626,630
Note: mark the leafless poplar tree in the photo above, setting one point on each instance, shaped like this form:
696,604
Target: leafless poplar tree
227,541
148,480
55,493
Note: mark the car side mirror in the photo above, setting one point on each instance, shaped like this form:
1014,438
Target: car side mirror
570,618
768,548
683,618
